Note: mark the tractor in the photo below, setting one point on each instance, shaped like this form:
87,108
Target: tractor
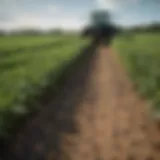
100,29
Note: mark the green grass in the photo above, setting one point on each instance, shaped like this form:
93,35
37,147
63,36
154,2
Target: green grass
141,55
24,75
14,43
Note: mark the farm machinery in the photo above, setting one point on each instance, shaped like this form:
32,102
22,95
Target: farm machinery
100,29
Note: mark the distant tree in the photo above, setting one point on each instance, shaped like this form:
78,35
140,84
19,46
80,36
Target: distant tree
2,33
56,31
26,32
154,27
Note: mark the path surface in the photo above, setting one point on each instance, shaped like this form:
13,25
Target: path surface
98,116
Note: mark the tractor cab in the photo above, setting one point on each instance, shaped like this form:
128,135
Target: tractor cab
100,18
100,28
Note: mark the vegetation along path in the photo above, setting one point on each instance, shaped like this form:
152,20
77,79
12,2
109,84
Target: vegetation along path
97,116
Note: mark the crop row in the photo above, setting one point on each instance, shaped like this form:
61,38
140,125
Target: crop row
140,54
24,76
18,43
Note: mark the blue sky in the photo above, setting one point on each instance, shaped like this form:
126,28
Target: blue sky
73,14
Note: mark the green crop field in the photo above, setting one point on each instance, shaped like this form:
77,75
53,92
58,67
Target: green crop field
25,65
141,55
16,43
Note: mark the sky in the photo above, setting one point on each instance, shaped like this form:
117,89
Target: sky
74,14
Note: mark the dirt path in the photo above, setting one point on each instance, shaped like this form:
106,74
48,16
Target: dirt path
98,116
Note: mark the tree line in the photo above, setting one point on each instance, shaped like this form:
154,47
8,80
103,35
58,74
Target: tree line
154,27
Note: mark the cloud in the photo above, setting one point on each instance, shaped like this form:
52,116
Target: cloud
34,21
14,15
115,4
107,4
47,14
